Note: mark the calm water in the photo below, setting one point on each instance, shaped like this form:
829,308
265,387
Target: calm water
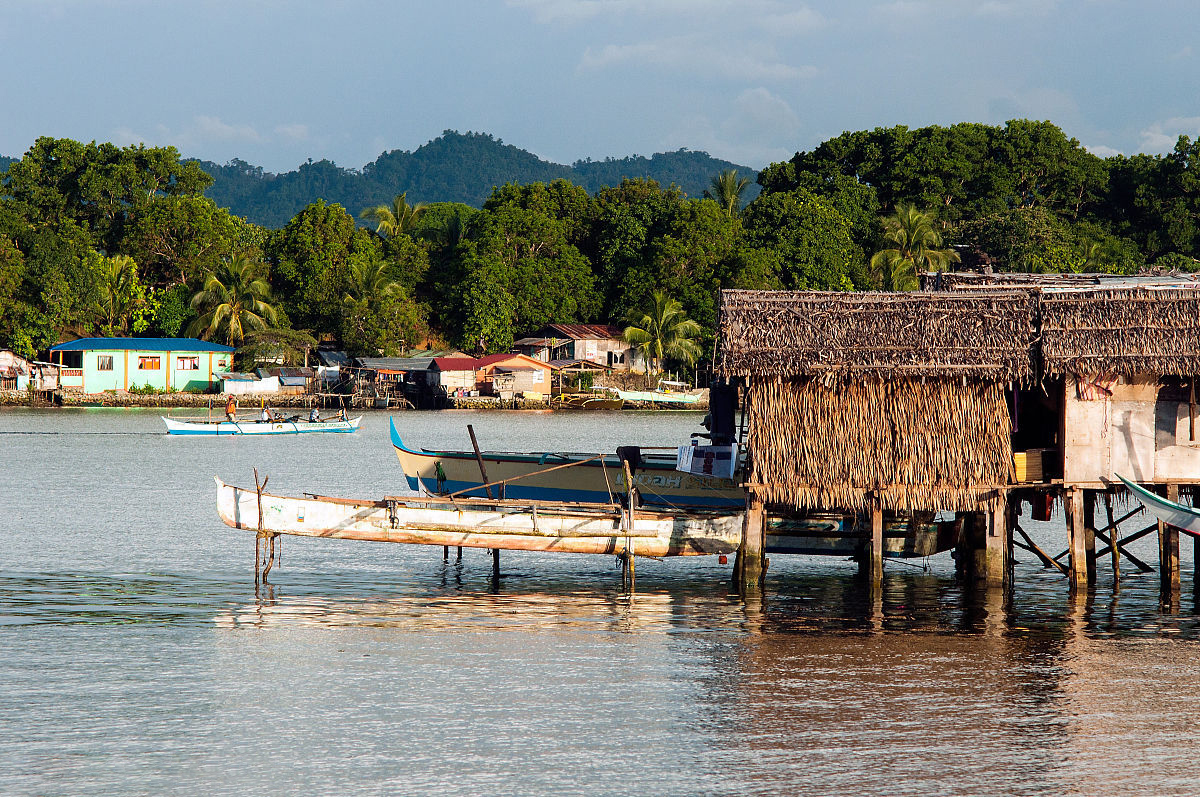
137,658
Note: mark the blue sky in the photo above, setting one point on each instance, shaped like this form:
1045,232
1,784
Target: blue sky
752,81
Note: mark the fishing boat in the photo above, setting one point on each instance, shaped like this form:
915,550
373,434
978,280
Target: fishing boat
557,526
598,399
667,392
482,523
294,425
1169,512
591,478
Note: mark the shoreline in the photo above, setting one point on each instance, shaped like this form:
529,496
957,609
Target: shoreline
24,398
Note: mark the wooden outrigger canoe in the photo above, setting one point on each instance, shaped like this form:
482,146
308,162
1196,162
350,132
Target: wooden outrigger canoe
553,526
251,427
481,523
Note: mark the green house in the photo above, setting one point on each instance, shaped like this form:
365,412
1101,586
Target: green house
95,365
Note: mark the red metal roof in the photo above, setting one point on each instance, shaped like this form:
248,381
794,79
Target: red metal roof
455,363
483,362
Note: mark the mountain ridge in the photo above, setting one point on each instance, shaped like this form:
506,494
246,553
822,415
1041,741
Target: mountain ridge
454,167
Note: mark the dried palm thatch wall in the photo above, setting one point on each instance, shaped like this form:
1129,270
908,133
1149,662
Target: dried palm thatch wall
780,333
890,398
1132,331
908,443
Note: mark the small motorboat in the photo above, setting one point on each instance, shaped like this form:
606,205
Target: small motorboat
1169,512
292,425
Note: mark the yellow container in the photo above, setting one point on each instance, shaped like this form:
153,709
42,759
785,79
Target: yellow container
1028,465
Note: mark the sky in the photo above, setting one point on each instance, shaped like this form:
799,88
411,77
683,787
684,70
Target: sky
276,82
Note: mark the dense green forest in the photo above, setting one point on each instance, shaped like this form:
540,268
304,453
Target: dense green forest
455,167
100,239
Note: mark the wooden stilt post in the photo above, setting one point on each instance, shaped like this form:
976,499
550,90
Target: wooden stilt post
1114,534
749,565
876,573
997,544
445,553
1089,532
1073,503
1168,555
496,563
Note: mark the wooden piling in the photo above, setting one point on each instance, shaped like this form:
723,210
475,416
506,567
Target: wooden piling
1073,504
1114,534
749,564
876,564
998,544
1168,555
1089,532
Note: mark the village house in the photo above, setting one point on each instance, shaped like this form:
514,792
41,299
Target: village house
601,344
94,365
14,371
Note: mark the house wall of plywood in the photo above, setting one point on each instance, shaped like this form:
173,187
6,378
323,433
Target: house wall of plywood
1122,426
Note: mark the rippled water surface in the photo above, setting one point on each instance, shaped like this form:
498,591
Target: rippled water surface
137,657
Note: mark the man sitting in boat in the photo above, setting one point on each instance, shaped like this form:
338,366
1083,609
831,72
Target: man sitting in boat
231,409
314,416
266,415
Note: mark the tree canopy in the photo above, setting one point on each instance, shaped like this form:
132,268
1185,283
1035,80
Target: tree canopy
101,239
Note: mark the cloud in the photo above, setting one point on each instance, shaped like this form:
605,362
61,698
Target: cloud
198,136
803,20
1102,151
1160,137
680,54
760,128
293,132
1013,9
574,11
776,17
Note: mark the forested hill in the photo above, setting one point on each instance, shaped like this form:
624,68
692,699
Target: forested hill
455,167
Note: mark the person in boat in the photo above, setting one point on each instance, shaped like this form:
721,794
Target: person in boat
342,414
314,416
266,415
231,408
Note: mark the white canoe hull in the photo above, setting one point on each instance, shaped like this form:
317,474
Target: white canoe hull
231,428
1169,512
476,523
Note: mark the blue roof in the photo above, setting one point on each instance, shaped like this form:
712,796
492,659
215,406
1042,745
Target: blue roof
140,344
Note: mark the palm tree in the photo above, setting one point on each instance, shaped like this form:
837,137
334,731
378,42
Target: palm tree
118,292
235,299
916,249
401,217
369,281
727,190
664,331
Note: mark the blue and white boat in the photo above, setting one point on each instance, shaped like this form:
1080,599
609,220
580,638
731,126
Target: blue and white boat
1169,512
250,427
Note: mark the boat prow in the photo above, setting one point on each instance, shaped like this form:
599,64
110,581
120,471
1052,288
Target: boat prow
1169,512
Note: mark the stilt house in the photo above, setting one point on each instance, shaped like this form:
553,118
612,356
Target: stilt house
967,399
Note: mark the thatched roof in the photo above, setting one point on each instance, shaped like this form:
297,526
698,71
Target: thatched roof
779,334
1002,280
1133,331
